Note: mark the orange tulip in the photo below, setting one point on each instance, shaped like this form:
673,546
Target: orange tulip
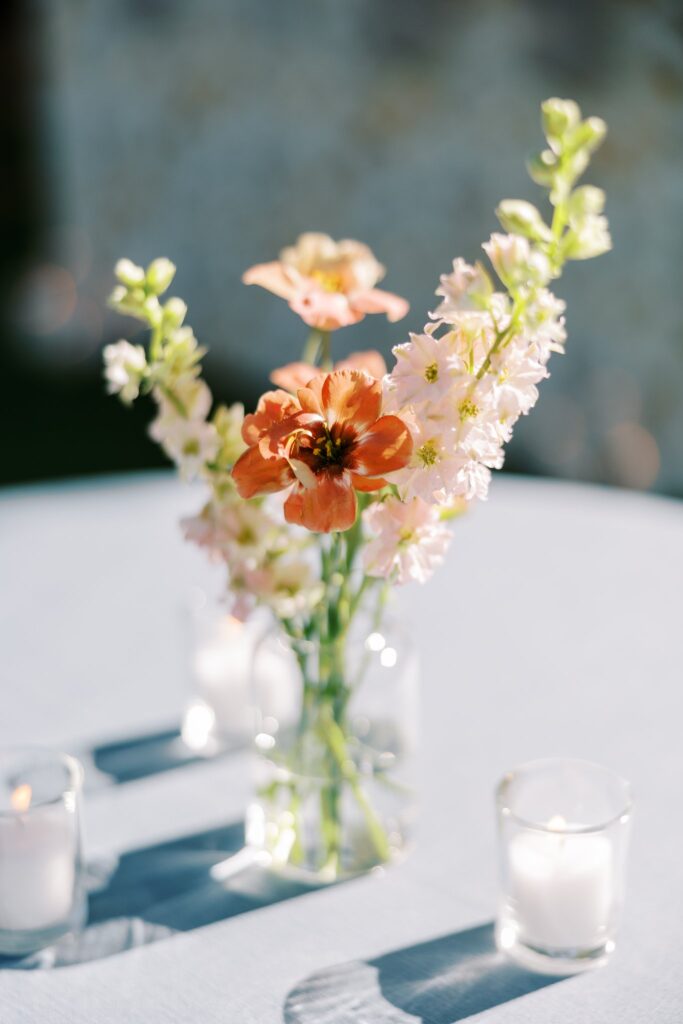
325,444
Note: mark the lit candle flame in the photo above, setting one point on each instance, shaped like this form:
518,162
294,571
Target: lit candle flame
21,797
557,823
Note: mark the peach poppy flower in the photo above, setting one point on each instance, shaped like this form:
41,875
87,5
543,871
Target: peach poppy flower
326,443
297,375
329,284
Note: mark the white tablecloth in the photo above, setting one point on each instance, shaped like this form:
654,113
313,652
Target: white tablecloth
554,628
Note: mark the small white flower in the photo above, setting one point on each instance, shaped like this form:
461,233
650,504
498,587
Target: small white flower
516,261
124,368
424,369
432,467
190,443
287,587
466,290
545,325
478,455
188,398
234,530
410,540
516,374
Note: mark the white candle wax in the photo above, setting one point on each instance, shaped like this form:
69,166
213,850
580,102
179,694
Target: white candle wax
561,885
37,869
223,668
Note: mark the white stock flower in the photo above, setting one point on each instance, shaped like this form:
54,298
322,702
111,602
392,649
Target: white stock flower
516,373
287,587
432,467
410,540
466,290
516,261
189,442
424,369
545,325
478,454
187,398
235,530
124,368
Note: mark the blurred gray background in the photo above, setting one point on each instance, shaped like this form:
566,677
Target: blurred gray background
215,131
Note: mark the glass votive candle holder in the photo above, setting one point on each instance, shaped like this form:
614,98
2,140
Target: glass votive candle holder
42,893
563,832
221,649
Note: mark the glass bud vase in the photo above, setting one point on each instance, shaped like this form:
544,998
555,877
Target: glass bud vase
335,739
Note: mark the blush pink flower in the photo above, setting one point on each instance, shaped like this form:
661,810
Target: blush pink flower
409,541
328,284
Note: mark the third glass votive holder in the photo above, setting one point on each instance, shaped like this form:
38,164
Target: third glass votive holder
563,832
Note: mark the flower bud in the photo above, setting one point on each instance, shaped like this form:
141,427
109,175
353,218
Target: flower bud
129,273
591,238
151,310
586,200
160,273
174,312
587,136
522,218
543,168
559,116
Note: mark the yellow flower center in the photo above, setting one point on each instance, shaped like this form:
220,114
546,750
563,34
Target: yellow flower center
468,410
328,280
427,453
431,373
191,447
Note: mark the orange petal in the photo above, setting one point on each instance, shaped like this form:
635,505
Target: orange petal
295,375
353,397
374,300
273,277
273,407
330,506
386,446
255,475
371,361
310,398
367,483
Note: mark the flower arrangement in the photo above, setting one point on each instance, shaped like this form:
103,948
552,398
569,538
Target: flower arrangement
345,480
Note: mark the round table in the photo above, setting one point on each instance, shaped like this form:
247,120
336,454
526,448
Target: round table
553,628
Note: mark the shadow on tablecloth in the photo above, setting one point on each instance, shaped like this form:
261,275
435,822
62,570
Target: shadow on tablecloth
150,894
437,982
137,757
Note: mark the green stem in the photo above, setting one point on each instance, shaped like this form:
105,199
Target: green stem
318,349
336,742
326,350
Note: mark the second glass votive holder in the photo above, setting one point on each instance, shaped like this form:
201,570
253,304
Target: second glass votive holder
42,893
563,830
